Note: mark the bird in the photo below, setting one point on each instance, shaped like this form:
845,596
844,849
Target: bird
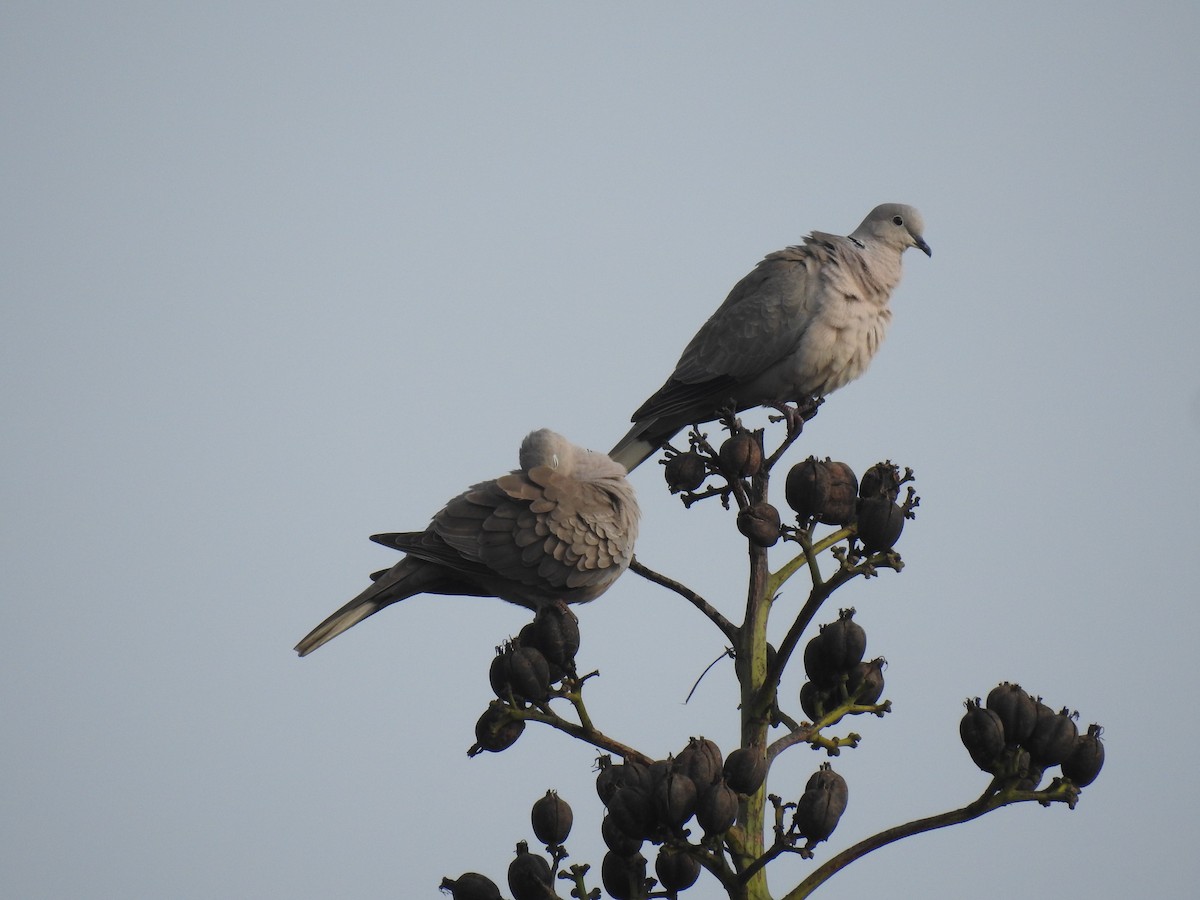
561,527
804,322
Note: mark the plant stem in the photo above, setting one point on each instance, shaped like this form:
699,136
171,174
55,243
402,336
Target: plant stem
991,799
727,628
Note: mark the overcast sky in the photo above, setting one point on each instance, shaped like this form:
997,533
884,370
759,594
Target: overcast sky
276,277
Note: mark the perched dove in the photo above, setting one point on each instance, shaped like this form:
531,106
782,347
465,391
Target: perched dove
804,323
560,527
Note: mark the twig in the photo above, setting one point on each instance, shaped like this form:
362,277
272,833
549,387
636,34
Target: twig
727,628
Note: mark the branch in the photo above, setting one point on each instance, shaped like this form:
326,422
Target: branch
587,735
992,799
727,628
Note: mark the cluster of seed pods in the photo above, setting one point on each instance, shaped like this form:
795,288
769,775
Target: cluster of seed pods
654,803
817,490
1016,735
837,672
525,671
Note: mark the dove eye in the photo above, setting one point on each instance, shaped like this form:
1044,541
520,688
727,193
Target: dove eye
897,220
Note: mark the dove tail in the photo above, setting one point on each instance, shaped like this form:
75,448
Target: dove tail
632,450
390,587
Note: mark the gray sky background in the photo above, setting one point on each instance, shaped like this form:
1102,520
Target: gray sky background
279,277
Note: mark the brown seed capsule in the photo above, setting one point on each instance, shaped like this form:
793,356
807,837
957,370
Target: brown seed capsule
816,701
822,804
1016,709
685,472
880,522
675,800
807,488
760,523
741,456
530,876
701,761
677,870
551,818
496,730
746,769
498,675
816,663
717,808
632,812
881,480
1084,764
471,886
623,877
1053,738
841,495
866,682
556,634
842,643
982,733
528,673
617,840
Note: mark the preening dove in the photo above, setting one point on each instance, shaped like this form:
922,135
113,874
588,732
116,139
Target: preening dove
561,527
804,323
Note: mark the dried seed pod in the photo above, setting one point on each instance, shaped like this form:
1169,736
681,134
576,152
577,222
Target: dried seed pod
471,886
866,681
842,643
617,840
825,777
623,877
496,730
701,761
822,804
675,799
760,523
551,818
1084,764
840,506
740,456
881,480
982,733
632,812
528,673
685,472
635,775
1053,738
807,488
608,777
717,808
1031,777
746,769
498,675
815,701
816,664
556,634
1016,709
880,523
739,661
677,870
530,876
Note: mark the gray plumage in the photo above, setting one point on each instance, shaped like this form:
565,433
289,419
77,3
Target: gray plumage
806,321
561,527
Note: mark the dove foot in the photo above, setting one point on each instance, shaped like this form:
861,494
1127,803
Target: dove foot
796,416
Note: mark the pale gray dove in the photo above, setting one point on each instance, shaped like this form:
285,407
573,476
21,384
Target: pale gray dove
561,527
804,323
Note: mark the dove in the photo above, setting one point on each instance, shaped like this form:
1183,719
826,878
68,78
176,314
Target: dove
561,527
805,322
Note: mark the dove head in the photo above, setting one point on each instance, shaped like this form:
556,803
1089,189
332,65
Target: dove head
547,448
896,224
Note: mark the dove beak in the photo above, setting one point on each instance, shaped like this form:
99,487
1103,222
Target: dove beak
921,245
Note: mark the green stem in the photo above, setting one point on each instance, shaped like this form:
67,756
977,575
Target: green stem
991,799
